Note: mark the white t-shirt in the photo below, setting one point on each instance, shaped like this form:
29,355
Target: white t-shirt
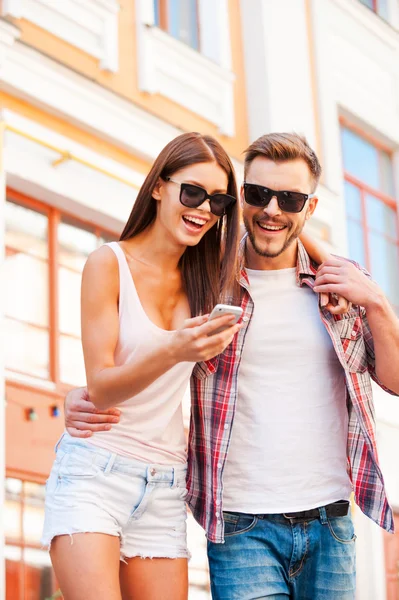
288,446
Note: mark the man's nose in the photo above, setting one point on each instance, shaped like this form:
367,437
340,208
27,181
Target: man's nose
272,209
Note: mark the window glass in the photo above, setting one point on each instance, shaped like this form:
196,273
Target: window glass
368,3
183,21
383,9
33,517
72,369
27,348
353,201
384,257
381,217
12,521
360,158
26,296
69,301
26,230
356,242
386,171
75,244
156,13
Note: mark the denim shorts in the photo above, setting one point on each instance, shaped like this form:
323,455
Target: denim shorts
92,490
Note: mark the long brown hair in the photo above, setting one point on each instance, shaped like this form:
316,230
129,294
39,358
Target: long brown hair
208,269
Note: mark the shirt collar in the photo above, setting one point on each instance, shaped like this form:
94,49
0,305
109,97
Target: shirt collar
305,266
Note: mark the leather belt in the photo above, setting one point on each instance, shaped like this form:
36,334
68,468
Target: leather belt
336,509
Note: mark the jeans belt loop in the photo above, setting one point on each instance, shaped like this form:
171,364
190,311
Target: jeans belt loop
110,464
174,483
323,515
58,443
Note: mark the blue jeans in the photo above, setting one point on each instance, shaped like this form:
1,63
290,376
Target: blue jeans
279,559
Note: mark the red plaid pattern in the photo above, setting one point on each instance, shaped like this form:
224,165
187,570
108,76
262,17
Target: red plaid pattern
214,396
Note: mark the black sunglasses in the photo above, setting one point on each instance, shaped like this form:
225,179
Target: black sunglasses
193,196
258,195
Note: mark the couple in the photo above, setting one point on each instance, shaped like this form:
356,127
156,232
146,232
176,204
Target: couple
282,425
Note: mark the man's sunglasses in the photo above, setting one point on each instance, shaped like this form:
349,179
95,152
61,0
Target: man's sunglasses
193,196
259,195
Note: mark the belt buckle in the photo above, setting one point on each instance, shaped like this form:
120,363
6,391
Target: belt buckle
290,516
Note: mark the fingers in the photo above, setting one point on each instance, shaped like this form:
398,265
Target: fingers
328,278
220,341
324,300
82,420
344,304
332,261
77,433
85,406
210,327
195,321
336,305
92,427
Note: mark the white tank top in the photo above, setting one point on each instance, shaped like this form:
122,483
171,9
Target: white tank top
290,431
151,424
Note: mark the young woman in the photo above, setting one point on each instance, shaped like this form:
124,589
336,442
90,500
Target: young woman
120,496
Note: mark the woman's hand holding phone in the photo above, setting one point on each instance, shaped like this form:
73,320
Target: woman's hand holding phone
201,339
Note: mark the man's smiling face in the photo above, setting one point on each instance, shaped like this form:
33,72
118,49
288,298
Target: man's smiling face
271,231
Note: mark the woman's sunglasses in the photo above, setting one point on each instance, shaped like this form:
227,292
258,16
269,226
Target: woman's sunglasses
193,196
258,195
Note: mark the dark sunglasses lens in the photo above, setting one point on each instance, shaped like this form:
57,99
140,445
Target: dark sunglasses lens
291,201
220,202
191,195
256,195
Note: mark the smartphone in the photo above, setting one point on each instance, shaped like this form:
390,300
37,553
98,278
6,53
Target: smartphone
225,309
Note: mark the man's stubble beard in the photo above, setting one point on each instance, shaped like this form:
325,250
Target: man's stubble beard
289,240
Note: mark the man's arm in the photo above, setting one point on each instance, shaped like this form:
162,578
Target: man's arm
82,418
342,277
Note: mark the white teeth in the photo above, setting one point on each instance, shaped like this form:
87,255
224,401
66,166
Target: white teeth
195,220
271,227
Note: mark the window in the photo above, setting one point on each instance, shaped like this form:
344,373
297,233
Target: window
45,255
180,19
29,575
373,232
186,72
380,7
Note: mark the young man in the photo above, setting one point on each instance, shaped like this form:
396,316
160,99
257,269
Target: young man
282,426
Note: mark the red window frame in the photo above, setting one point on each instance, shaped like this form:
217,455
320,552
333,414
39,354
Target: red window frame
54,216
365,189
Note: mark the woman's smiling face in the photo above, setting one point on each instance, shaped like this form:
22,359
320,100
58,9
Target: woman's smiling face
189,225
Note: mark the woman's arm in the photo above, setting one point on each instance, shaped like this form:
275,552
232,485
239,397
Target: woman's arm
109,385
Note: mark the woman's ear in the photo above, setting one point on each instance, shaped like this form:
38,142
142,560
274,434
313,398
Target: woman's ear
156,192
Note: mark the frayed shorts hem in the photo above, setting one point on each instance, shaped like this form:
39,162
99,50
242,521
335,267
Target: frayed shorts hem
47,541
171,555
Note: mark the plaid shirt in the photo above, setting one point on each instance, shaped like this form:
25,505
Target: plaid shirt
214,397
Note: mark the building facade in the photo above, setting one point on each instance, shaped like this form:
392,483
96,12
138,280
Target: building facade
90,92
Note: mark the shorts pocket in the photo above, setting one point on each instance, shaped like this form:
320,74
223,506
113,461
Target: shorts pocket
342,529
79,464
236,523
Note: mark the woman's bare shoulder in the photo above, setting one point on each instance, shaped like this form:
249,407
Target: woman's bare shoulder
102,265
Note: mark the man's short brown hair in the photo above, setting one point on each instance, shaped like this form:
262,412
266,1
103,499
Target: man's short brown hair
280,147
